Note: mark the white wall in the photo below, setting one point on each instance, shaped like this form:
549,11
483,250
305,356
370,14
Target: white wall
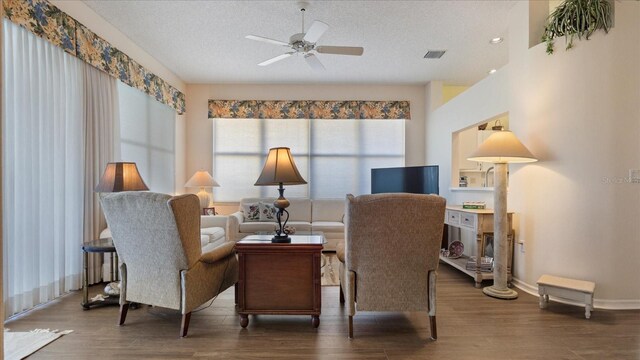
578,111
199,127
479,103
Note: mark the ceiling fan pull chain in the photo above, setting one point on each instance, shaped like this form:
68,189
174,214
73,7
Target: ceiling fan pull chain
303,11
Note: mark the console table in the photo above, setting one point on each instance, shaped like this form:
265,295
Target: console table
279,278
480,222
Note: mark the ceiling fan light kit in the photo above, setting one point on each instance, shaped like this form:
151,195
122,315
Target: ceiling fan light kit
304,43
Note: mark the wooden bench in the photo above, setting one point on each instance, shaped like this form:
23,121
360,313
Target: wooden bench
577,290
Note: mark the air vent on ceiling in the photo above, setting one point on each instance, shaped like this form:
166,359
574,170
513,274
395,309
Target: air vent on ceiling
434,54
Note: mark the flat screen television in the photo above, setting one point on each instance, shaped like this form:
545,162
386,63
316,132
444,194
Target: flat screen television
412,179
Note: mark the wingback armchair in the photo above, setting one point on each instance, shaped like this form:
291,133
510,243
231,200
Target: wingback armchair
390,253
157,238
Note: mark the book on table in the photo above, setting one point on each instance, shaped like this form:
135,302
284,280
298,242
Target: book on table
474,205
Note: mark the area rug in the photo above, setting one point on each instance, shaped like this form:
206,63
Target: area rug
330,270
19,345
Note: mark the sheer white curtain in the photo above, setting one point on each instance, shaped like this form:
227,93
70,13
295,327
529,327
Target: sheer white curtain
101,145
60,126
43,170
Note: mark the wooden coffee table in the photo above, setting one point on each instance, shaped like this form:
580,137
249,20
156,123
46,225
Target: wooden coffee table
279,279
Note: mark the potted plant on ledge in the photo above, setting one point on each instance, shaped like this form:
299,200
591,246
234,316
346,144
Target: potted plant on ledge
576,17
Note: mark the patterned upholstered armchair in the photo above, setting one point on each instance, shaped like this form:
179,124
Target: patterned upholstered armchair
158,240
390,253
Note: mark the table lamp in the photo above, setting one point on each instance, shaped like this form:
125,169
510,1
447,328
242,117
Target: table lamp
203,180
279,169
501,148
121,176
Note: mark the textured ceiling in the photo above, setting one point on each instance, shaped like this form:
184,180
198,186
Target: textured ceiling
203,41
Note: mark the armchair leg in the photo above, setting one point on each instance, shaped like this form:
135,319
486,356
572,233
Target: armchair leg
432,323
123,313
350,327
341,295
184,326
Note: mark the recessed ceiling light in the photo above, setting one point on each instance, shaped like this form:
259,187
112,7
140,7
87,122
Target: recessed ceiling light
496,40
492,71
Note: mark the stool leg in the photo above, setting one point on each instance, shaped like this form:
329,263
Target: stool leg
589,306
544,298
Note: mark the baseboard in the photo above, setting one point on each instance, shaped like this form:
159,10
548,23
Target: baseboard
597,303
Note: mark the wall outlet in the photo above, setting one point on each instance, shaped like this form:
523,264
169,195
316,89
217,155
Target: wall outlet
634,176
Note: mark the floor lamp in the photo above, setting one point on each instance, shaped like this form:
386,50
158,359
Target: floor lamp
501,148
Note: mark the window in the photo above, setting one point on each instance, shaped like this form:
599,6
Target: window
334,156
147,136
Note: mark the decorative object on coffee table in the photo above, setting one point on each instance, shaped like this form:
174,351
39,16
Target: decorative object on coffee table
501,148
280,169
203,180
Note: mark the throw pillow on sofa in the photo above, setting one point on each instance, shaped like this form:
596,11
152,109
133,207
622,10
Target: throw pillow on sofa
251,212
267,212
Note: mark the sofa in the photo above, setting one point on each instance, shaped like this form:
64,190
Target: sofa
258,215
212,234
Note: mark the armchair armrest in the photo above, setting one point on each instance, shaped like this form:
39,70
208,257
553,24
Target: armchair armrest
233,226
207,221
218,253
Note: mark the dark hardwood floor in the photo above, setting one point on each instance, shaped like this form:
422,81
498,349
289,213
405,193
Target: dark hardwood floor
470,326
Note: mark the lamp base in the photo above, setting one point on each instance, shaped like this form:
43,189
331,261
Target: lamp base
506,294
281,239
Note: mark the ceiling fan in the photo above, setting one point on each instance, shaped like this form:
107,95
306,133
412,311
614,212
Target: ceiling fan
305,44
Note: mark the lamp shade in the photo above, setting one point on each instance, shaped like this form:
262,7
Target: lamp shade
121,176
201,179
502,147
280,169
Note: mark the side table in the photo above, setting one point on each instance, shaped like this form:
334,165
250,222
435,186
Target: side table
98,246
279,278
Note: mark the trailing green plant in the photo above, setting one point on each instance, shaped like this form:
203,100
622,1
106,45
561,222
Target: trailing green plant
576,17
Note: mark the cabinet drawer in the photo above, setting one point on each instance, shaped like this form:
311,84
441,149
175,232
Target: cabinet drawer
468,220
453,218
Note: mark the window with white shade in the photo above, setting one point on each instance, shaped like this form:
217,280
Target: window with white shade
147,137
334,156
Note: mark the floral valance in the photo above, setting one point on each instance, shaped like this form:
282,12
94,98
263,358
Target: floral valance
308,109
55,26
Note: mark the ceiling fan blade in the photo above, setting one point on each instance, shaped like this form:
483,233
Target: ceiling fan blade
314,62
340,50
267,40
315,31
277,58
